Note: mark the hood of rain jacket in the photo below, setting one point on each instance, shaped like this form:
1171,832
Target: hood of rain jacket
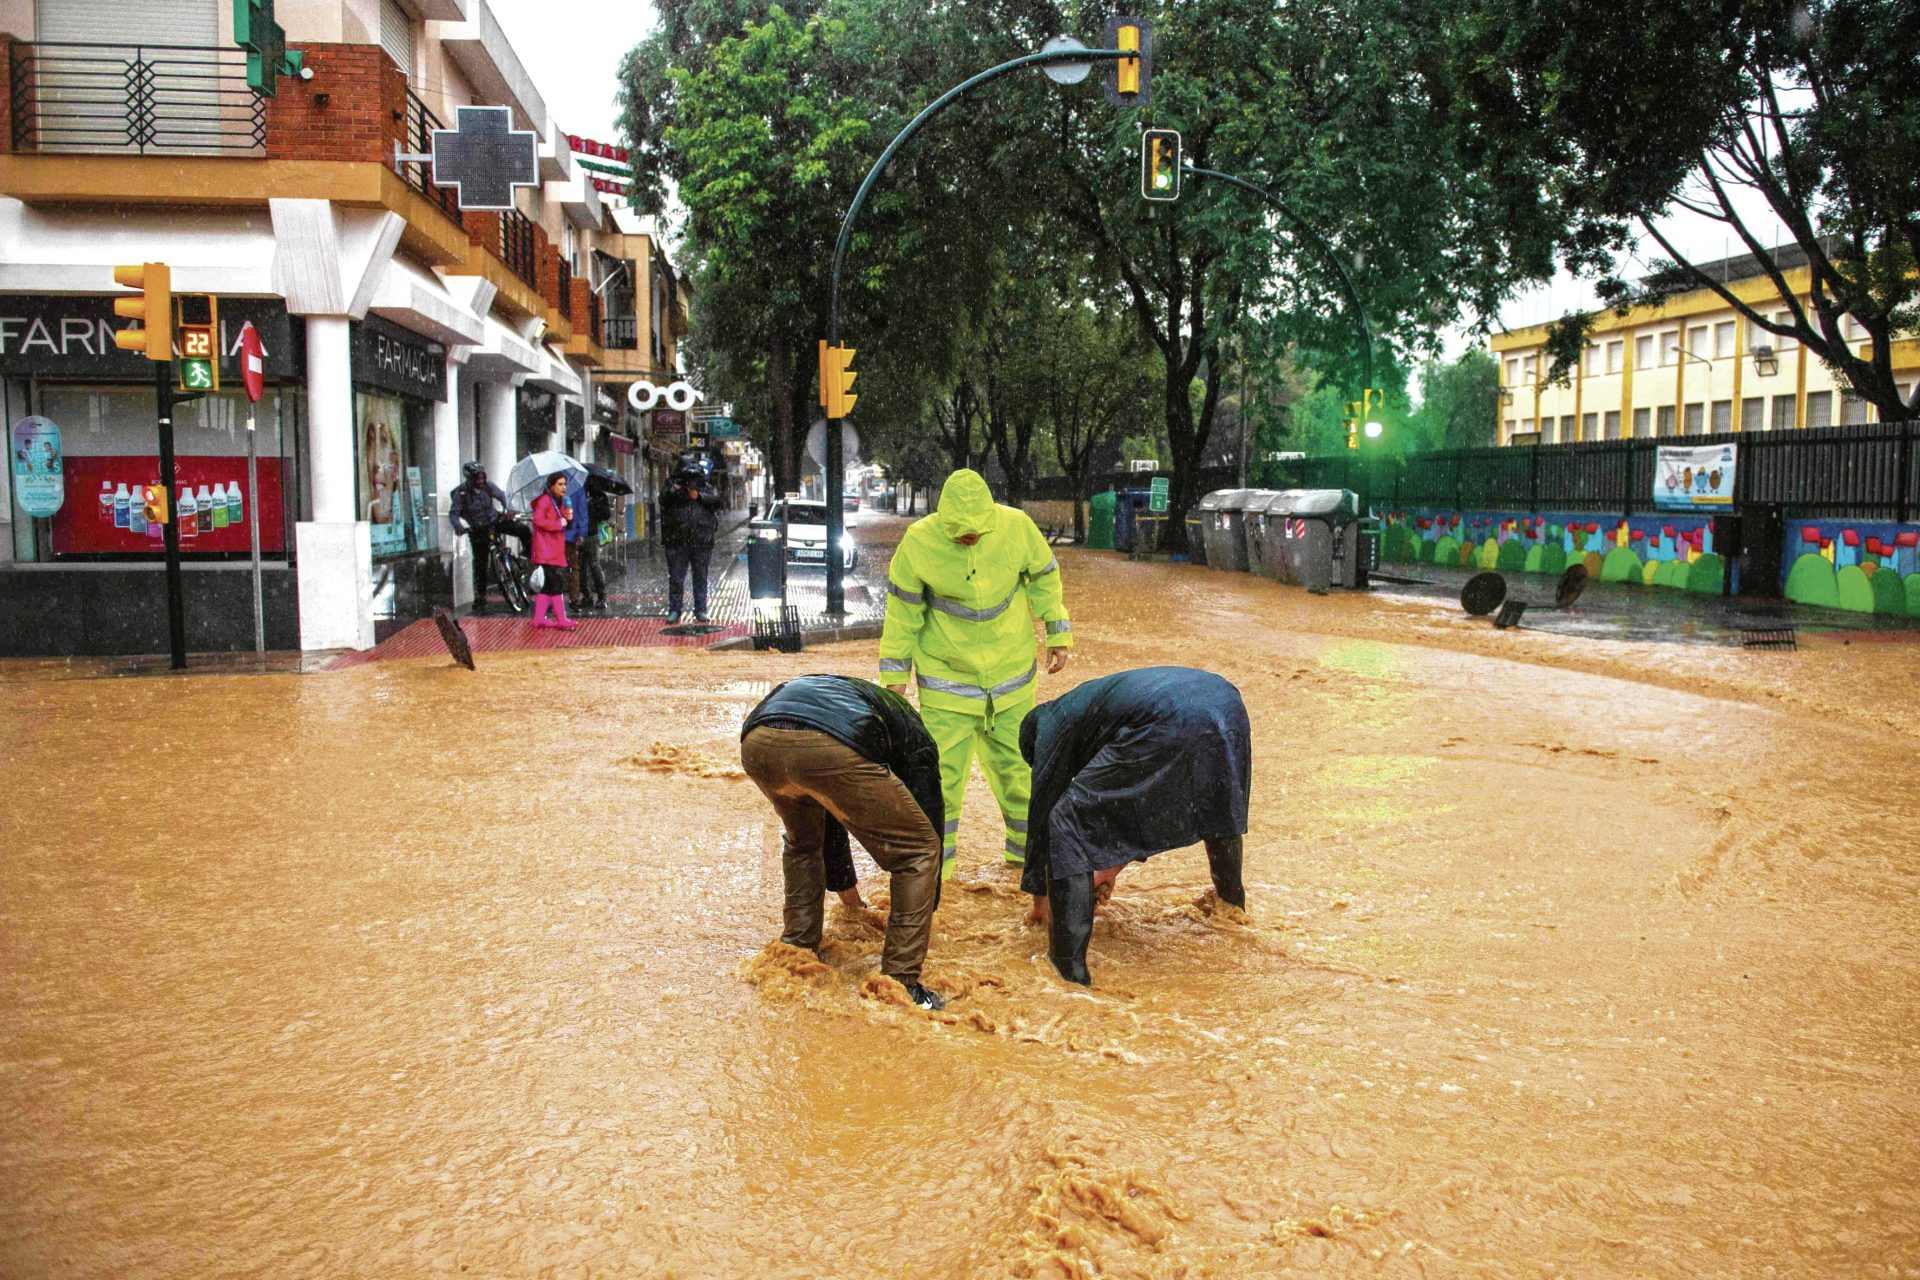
966,505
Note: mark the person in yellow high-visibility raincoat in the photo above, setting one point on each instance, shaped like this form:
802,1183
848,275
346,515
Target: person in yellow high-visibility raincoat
963,590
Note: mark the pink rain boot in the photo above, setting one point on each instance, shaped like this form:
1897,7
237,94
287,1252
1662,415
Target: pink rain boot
562,621
542,605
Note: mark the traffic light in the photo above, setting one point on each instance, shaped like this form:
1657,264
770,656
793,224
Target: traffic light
1353,433
836,380
1160,164
153,502
153,335
198,368
1131,85
1371,401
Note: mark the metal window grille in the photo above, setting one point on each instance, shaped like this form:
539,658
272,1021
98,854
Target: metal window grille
134,99
420,126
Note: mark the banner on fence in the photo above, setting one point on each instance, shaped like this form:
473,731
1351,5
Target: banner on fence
1693,477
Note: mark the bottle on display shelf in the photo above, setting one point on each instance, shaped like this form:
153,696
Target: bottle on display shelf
219,501
136,513
120,516
233,502
187,512
106,502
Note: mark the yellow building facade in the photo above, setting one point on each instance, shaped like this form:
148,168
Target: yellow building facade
1692,366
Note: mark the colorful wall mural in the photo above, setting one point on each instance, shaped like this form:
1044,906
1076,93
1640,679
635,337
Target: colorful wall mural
1659,550
1865,566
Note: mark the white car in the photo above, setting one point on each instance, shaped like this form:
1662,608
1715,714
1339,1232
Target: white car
806,524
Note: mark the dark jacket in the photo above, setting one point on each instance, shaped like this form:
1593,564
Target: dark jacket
578,529
1131,765
475,505
599,509
688,521
875,723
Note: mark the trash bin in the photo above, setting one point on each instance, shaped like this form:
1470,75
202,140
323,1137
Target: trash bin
766,561
1224,527
1196,537
1265,533
1314,539
1100,521
1128,503
1149,526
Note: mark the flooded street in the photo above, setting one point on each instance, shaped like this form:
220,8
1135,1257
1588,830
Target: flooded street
1563,957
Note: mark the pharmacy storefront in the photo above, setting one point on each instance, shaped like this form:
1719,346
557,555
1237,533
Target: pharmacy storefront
398,378
82,567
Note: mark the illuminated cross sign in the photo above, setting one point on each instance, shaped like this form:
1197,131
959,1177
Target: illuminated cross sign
265,41
485,157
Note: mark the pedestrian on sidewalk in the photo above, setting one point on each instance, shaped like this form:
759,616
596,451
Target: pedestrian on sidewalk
552,513
473,509
689,521
593,579
963,590
576,540
835,755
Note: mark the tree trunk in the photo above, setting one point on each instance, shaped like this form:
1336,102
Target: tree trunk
780,375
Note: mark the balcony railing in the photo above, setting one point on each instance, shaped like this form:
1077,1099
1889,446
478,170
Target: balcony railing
419,176
622,333
566,286
596,322
134,99
518,247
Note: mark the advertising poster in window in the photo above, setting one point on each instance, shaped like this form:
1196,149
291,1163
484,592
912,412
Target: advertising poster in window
39,478
1694,478
382,439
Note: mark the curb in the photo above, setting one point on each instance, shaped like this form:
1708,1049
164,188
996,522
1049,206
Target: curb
814,635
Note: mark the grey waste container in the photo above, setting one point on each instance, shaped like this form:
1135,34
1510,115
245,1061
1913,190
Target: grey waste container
1314,539
1263,546
1223,523
766,561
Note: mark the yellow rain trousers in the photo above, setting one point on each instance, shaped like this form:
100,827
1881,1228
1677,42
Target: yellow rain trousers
960,625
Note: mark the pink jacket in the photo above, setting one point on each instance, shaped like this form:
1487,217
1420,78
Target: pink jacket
549,531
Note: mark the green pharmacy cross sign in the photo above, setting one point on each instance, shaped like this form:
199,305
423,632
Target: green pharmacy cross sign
266,44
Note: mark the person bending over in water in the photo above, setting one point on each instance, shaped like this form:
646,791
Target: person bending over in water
833,755
1125,767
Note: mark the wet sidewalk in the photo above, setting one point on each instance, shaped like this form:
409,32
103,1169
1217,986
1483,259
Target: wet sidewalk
1631,612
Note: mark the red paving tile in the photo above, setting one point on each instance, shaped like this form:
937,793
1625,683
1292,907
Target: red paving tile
498,635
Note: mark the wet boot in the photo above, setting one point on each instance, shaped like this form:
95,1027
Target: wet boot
560,618
926,999
1223,861
542,604
1070,904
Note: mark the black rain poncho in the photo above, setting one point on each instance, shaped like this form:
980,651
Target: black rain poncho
1131,765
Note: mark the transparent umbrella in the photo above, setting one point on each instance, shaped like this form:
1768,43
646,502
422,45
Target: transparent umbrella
530,473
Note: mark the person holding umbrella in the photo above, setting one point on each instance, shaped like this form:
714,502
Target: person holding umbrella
689,520
552,513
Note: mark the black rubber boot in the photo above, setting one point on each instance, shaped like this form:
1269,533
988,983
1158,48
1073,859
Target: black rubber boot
925,998
1223,860
1070,905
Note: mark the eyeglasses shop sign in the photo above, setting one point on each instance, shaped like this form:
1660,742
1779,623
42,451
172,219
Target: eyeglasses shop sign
388,358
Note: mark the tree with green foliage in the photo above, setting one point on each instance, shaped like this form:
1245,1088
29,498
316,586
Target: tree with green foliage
1458,402
1621,113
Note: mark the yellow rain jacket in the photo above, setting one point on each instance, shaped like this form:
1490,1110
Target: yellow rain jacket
960,618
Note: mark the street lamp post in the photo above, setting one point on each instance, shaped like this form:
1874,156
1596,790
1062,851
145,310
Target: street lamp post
1058,54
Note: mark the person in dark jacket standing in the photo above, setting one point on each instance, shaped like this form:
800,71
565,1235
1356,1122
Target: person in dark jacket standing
473,509
1125,767
593,579
689,520
835,755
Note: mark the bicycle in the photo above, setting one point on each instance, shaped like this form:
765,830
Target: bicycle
510,568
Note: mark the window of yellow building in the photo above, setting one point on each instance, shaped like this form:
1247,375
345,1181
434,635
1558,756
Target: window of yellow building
1593,358
1643,351
1722,415
1723,337
1697,340
1613,424
1783,342
1670,347
1665,420
1819,408
1753,413
1642,423
1616,355
1696,420
1590,426
1853,409
1784,413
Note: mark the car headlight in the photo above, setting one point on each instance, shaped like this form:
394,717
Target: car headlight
846,542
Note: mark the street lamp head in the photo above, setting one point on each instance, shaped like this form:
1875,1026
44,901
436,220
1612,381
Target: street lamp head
1765,362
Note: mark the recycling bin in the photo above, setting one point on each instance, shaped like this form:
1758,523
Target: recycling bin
1100,521
1128,504
1314,538
766,561
1223,525
1264,534
1196,538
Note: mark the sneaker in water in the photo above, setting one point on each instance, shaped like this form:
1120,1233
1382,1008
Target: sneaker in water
924,998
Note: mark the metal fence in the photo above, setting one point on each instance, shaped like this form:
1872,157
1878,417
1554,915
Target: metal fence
623,333
1862,472
419,174
518,248
134,99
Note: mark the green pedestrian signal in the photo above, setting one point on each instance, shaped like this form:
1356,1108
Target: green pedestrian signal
196,375
1160,164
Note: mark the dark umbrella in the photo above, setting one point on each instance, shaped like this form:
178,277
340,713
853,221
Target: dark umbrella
607,480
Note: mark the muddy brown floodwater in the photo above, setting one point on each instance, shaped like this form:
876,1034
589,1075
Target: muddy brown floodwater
1564,958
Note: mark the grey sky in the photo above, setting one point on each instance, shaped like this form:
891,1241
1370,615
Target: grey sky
572,49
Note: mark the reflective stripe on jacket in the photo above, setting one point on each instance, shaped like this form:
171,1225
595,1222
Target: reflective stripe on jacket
960,618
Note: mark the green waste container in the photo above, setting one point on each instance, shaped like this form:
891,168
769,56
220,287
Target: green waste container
1100,521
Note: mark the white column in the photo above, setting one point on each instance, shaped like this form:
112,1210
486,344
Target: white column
447,457
330,419
335,548
496,430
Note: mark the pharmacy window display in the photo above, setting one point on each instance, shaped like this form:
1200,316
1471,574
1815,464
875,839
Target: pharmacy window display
398,377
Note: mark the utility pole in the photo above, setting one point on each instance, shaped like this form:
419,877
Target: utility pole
176,604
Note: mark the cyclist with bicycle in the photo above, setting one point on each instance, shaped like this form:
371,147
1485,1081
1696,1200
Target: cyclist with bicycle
474,509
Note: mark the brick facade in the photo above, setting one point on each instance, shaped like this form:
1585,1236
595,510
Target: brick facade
354,108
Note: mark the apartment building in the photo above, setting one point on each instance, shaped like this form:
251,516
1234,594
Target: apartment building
1690,367
403,336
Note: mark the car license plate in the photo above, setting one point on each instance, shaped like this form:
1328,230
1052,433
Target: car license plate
809,555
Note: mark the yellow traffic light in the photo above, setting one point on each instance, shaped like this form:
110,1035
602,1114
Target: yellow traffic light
1132,81
1353,434
836,380
1160,164
1128,69
153,335
153,501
